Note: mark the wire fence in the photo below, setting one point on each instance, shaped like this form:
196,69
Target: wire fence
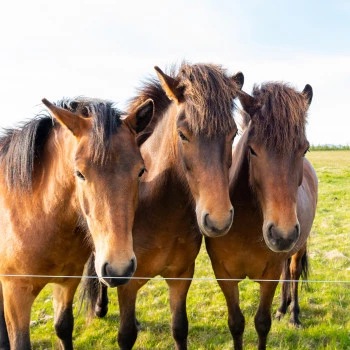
208,279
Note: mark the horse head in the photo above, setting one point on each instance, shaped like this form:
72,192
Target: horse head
204,130
276,146
106,164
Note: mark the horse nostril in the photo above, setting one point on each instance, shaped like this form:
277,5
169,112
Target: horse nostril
282,241
231,214
104,270
272,234
207,222
133,264
217,226
116,277
108,271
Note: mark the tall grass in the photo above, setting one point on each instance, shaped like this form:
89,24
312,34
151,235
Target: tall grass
325,306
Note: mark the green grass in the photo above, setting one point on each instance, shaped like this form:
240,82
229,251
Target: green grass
325,307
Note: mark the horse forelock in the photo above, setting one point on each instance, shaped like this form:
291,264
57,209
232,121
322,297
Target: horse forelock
105,123
280,120
209,98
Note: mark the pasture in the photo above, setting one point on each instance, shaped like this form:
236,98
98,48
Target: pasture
325,306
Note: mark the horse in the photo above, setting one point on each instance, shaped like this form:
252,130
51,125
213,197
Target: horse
295,267
185,191
273,188
68,186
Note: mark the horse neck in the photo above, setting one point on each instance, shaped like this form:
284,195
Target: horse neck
161,157
240,190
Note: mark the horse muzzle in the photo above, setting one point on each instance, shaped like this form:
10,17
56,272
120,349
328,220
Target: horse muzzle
112,277
211,226
281,241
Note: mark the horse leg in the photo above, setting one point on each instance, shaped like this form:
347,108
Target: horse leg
285,291
296,269
263,316
236,320
63,295
178,290
18,299
4,338
101,307
128,329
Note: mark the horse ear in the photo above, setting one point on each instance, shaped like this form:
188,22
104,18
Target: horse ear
170,86
308,93
238,79
139,120
71,121
247,102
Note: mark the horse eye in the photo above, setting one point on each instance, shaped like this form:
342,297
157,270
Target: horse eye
79,175
252,152
307,150
142,172
182,136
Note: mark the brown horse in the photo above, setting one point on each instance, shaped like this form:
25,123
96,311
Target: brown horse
187,157
274,191
67,187
293,268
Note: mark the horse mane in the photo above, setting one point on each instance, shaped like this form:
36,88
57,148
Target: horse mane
280,120
152,89
21,148
106,121
208,92
242,119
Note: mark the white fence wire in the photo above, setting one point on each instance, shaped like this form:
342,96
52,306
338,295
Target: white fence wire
210,279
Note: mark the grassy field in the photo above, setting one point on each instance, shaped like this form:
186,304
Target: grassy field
325,307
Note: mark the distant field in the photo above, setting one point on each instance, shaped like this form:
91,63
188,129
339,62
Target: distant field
325,307
330,148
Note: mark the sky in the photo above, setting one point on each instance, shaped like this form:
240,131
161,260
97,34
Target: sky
105,49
